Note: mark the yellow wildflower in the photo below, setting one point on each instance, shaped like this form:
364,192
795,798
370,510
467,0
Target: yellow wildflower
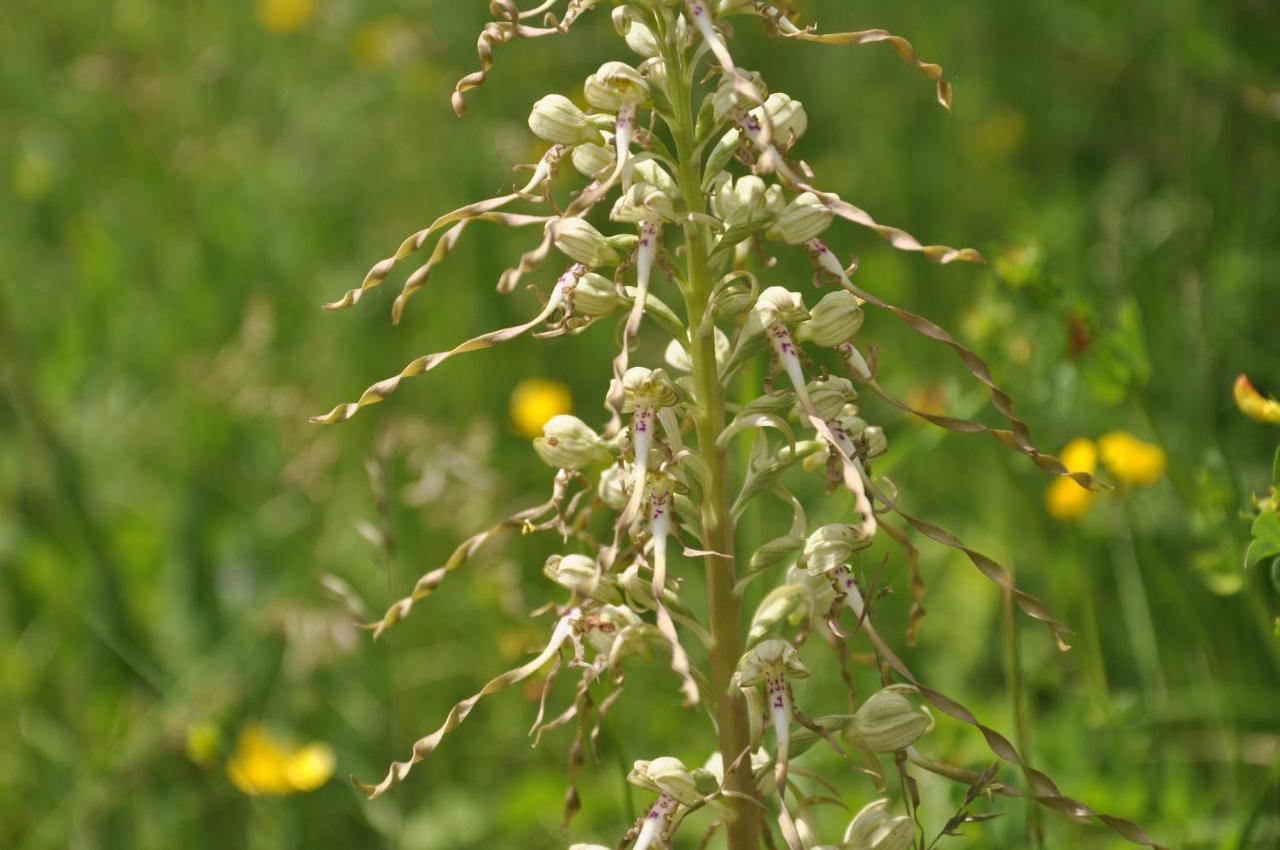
1065,499
536,400
1131,461
1253,404
263,765
310,767
285,16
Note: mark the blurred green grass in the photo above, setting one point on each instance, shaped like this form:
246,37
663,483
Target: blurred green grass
182,188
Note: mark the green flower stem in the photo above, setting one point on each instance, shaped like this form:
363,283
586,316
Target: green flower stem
1018,703
725,607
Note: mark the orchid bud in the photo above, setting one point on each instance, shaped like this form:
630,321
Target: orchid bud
778,304
774,551
610,623
591,159
650,388
729,96
714,765
805,218
643,640
849,425
637,35
557,120
831,395
733,301
780,604
786,116
666,775
654,69
581,575
614,86
822,594
830,546
874,828
596,296
771,657
642,202
613,487
583,243
639,590
887,722
874,441
834,320
642,40
740,201
569,443
649,171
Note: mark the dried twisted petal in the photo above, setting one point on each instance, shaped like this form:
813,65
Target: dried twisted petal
900,45
1044,790
384,388
986,565
423,747
428,583
896,237
418,279
1019,435
379,272
501,32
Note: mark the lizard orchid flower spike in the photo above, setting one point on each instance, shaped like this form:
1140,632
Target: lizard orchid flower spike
713,175
565,630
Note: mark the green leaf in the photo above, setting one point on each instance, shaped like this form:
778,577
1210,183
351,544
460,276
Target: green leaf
1275,469
1266,539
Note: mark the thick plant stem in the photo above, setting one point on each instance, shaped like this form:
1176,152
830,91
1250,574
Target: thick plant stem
725,606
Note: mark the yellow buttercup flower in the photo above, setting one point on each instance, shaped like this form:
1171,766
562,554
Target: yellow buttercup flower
284,16
310,767
1132,462
536,400
1254,404
1065,499
264,766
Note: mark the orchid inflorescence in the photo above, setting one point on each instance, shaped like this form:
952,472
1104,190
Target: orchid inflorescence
722,175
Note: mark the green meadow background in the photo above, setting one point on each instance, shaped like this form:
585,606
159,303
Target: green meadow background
181,187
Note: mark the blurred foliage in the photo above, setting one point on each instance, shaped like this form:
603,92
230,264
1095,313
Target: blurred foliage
184,183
